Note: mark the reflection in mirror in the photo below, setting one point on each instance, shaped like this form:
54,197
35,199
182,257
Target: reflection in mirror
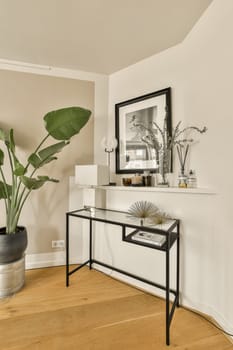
137,130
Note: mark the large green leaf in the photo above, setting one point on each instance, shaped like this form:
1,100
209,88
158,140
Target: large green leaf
46,155
51,150
64,123
8,138
11,141
34,184
34,160
37,162
1,157
3,135
5,190
19,169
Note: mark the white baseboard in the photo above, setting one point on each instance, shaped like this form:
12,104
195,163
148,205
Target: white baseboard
209,311
36,261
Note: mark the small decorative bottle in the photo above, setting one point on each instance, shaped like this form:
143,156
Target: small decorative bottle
146,178
192,180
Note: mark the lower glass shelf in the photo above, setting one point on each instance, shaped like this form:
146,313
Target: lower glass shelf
154,244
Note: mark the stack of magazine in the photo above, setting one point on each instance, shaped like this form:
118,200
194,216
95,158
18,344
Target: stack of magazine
150,238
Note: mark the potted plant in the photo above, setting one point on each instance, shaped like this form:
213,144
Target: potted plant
15,189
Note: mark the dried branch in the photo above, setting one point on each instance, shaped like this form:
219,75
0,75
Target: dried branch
165,143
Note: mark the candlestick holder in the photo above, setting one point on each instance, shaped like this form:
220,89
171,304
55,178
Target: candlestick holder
109,144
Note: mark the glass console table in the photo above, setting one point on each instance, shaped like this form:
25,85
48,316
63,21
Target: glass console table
170,230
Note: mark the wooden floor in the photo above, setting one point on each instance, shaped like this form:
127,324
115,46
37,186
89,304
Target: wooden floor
95,313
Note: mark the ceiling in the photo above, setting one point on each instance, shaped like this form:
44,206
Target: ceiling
101,36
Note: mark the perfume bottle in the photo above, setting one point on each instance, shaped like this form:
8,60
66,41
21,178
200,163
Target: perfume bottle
192,180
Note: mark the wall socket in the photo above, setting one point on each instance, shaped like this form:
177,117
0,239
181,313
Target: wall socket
58,244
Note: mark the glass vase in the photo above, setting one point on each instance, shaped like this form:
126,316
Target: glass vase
164,167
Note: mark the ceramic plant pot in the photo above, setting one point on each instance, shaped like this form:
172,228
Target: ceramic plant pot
12,261
12,246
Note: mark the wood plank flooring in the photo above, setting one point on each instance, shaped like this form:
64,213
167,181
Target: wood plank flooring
96,313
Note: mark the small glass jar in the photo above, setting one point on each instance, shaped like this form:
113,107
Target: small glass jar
126,181
137,180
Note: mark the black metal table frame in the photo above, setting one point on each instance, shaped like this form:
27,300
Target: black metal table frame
167,246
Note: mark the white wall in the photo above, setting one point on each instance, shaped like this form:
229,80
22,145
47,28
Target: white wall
200,72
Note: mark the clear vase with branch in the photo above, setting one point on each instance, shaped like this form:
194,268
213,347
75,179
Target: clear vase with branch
183,147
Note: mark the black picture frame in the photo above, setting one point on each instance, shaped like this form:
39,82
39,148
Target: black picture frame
132,154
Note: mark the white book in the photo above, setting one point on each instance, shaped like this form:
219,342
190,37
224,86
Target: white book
150,238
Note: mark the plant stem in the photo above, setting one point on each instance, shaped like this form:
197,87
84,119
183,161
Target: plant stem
18,198
11,208
6,200
20,207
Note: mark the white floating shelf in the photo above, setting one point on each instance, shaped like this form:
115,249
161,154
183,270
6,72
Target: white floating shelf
158,189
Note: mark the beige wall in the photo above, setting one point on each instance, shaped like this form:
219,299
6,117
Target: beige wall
24,99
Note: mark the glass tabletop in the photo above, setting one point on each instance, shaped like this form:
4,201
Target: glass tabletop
119,217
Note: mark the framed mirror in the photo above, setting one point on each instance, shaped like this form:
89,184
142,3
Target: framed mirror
137,123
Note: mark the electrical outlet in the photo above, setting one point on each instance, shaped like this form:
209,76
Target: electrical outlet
58,244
